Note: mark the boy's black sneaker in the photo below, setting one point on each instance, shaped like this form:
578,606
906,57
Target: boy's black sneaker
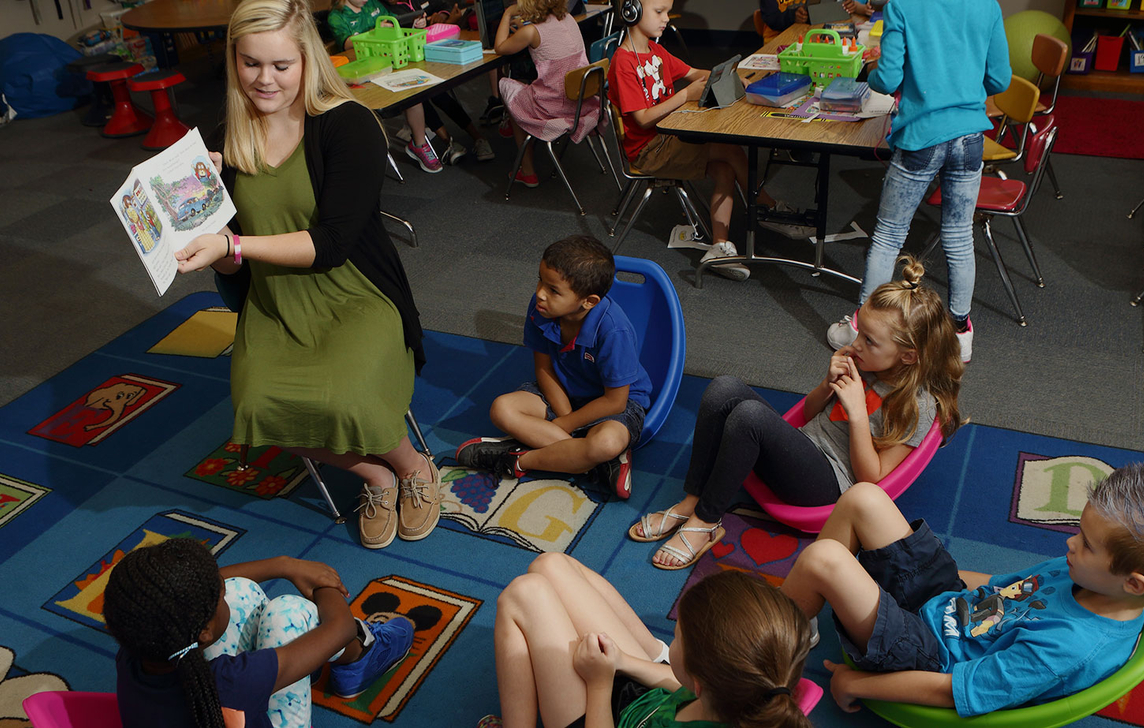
497,454
494,111
616,474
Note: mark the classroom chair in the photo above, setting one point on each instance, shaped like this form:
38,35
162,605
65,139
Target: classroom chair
807,695
638,181
810,519
1050,55
99,110
127,119
167,128
69,709
604,47
1017,103
652,306
579,86
1010,198
1054,714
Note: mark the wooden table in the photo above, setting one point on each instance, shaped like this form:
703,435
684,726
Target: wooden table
743,123
391,102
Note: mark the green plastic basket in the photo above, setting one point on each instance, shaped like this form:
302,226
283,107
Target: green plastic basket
398,45
822,61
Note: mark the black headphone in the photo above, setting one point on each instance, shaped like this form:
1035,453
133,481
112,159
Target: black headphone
631,11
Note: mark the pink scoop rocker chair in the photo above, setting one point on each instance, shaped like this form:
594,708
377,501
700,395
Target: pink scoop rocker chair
68,709
810,519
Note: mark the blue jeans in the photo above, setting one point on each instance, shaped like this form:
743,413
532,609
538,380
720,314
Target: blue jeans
958,161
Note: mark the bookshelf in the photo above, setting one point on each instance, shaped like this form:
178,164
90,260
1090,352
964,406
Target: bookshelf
1087,20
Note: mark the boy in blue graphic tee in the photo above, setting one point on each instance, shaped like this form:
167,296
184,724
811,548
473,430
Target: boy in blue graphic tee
926,633
585,411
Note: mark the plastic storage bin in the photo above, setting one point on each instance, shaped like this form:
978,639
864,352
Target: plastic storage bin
778,89
1136,61
822,57
454,51
441,31
399,45
1108,50
364,69
844,94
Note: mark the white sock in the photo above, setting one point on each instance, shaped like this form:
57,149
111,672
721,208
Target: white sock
377,489
364,634
663,652
813,631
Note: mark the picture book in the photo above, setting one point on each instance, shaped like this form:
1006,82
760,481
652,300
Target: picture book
760,62
408,79
168,201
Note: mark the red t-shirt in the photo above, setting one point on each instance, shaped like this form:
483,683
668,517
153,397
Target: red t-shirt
640,81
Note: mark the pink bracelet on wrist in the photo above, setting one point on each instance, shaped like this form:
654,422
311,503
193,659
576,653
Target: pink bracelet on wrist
237,251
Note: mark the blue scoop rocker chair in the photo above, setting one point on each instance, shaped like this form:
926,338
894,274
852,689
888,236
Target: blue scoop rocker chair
653,308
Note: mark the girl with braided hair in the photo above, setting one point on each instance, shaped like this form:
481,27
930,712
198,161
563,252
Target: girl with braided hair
203,647
569,648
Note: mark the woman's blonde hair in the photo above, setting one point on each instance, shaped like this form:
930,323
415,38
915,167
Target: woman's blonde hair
322,88
920,322
745,643
535,11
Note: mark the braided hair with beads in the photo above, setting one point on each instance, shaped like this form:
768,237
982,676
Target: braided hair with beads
157,602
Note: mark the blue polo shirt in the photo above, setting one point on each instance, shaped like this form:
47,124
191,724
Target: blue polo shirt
604,354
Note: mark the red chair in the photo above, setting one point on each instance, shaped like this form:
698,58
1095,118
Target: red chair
1010,198
811,518
127,119
68,709
167,128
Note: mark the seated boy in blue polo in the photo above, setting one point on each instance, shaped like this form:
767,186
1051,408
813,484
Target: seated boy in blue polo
921,631
585,411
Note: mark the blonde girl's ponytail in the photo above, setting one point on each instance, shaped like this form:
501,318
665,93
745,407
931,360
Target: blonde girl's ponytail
920,322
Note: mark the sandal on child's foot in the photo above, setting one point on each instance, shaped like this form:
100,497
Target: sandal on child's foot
715,534
646,534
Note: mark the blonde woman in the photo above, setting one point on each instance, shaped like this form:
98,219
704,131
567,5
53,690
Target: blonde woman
328,339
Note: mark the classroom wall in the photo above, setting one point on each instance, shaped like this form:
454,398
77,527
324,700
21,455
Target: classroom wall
16,17
736,14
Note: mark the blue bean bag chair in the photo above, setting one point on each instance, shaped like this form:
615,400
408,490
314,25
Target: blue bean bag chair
34,77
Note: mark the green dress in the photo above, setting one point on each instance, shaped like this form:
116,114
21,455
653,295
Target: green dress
319,356
657,708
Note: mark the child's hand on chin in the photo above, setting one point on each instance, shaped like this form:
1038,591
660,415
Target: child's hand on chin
596,659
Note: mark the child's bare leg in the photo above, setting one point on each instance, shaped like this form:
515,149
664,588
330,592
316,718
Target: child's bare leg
722,199
415,117
580,454
734,155
826,572
535,639
526,166
865,517
494,84
594,605
522,415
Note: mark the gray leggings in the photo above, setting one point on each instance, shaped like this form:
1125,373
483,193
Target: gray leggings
738,431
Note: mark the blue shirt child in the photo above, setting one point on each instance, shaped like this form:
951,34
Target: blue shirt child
1024,637
945,60
604,354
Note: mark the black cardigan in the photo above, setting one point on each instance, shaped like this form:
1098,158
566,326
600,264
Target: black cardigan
346,155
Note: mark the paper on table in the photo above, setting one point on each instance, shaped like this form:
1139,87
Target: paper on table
170,200
760,62
877,105
407,80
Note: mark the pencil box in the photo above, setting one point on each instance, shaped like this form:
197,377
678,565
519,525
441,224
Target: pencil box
364,69
454,51
778,89
441,31
844,94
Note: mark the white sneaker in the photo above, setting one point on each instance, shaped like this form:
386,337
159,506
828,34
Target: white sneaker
454,152
844,332
794,231
814,632
483,150
725,249
965,338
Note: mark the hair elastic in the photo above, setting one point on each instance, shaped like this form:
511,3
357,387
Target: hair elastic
782,690
912,286
179,655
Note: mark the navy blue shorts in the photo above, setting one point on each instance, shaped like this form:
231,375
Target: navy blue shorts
632,417
909,573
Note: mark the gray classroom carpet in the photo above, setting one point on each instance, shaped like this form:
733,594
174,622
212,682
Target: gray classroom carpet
71,283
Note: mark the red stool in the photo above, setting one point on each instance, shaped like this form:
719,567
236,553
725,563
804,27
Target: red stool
99,112
127,119
167,129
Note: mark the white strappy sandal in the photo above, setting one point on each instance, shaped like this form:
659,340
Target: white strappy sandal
715,534
665,529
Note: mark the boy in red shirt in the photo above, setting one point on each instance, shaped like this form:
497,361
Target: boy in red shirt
641,83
